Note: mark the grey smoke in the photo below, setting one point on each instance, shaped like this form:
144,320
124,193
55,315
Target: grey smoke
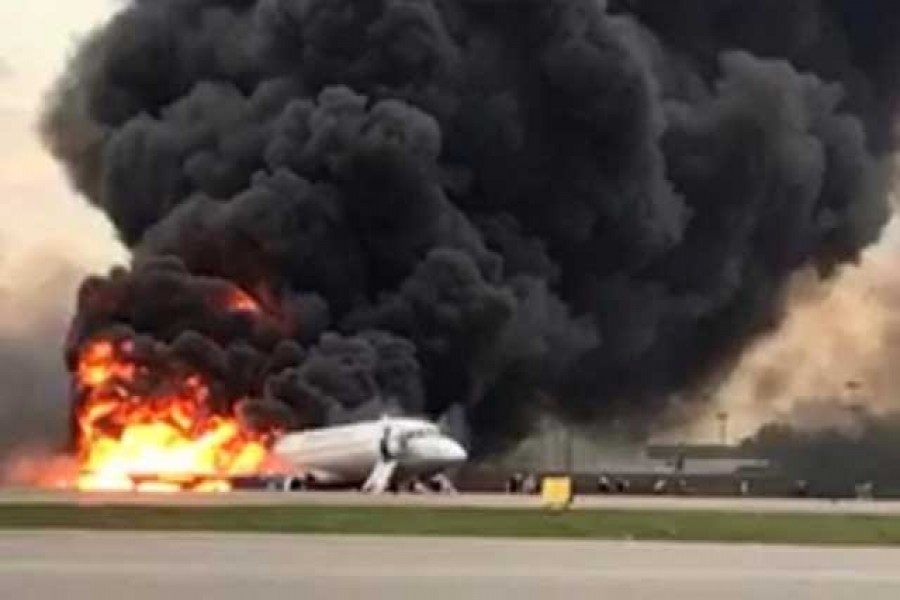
33,386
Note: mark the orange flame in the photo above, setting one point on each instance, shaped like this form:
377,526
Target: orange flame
240,301
167,442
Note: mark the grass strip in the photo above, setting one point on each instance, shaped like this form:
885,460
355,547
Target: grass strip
487,522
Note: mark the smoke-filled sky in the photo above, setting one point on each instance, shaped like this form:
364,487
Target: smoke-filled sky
48,237
603,235
839,343
37,207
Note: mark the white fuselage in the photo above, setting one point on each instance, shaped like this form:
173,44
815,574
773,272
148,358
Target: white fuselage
348,454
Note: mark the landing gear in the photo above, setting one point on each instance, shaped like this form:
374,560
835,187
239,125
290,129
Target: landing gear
437,484
293,484
442,484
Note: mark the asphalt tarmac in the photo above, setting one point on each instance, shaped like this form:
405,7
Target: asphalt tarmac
262,498
90,565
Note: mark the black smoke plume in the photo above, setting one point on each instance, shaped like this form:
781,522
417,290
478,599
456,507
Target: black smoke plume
509,205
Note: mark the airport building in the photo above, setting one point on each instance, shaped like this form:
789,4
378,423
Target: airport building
558,448
636,467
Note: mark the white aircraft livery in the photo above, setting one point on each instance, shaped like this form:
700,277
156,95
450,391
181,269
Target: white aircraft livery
371,454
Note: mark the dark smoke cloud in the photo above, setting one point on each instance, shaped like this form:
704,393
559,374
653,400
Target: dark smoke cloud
513,206
863,443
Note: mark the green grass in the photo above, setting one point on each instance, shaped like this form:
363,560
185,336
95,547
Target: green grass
580,524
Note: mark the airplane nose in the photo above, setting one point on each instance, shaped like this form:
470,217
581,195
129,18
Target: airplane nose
453,452
436,451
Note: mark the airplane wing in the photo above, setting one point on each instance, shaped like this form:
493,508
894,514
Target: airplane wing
319,476
306,478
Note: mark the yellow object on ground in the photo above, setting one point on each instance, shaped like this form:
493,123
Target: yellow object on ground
556,492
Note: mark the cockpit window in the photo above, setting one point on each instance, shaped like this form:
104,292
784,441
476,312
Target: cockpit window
420,433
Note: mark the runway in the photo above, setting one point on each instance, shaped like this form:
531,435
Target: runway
89,565
597,502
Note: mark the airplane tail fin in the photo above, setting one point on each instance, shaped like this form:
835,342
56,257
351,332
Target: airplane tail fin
454,424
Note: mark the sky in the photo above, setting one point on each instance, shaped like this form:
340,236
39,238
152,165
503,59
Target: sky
37,204
42,221
50,238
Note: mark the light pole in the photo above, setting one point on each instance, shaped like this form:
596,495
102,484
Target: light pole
854,391
568,448
722,418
